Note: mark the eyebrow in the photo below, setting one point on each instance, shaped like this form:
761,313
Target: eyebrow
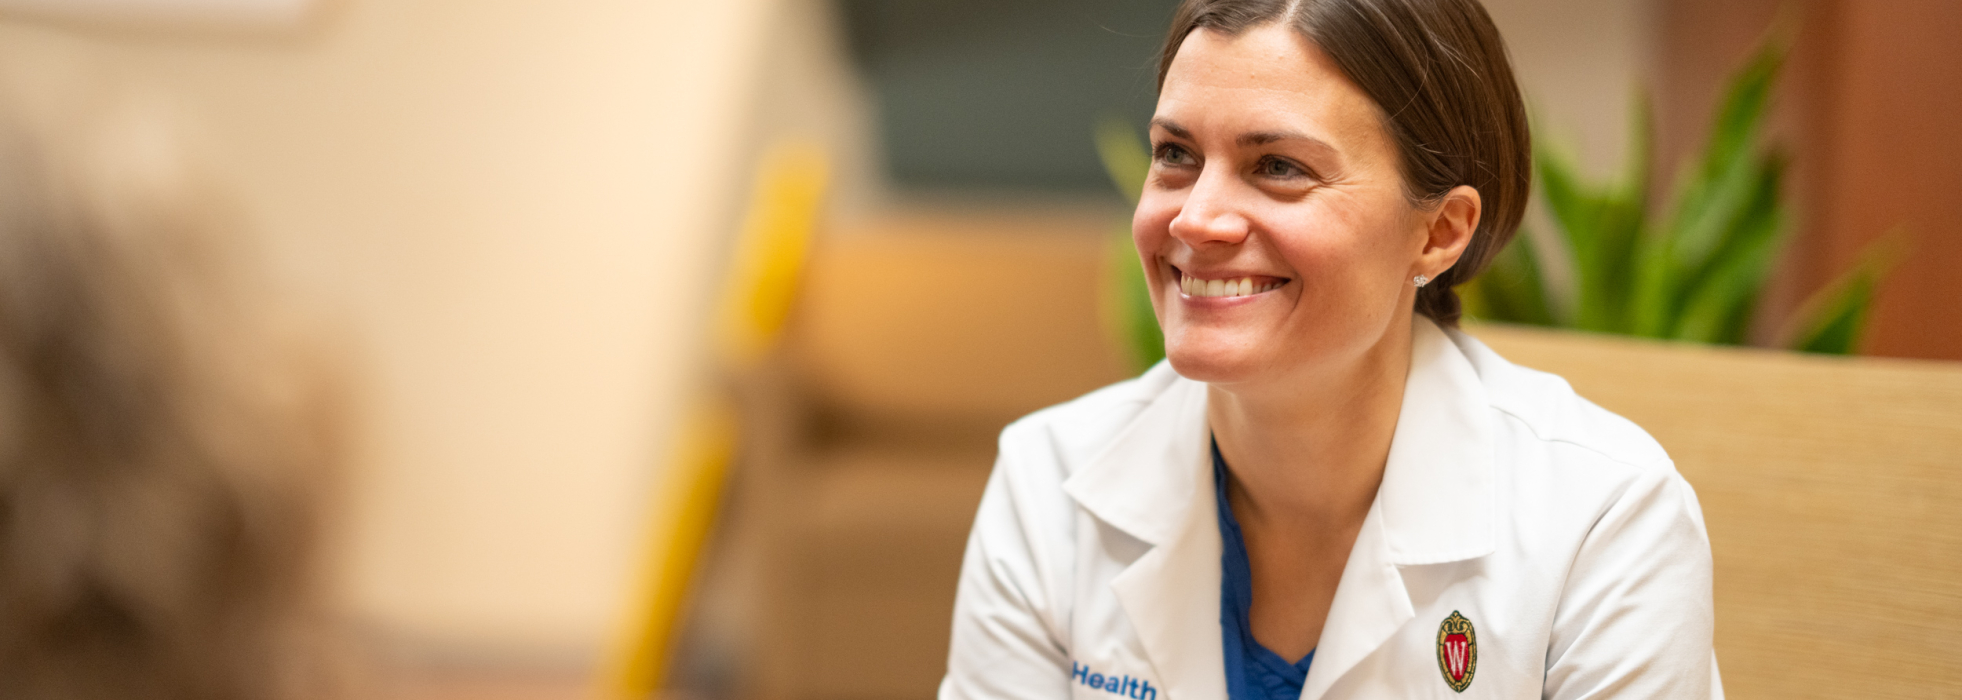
1255,138
1262,138
1173,127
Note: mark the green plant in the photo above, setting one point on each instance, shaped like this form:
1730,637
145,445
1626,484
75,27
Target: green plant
1126,299
1695,273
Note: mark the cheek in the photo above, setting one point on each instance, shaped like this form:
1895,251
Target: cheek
1347,253
1151,223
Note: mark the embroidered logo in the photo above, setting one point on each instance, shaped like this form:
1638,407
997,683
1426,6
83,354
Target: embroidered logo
1457,651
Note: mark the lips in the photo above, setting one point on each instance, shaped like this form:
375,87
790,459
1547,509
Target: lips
1194,286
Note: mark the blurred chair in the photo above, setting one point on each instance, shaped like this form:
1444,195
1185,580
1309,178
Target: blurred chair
1832,486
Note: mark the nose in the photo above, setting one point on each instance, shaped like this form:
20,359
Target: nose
1210,213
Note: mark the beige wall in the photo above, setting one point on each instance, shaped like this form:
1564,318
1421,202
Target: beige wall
1580,64
510,211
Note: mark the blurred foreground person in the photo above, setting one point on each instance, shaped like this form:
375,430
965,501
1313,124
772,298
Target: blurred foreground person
157,459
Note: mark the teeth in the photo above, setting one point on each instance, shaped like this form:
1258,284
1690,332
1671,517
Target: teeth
1240,287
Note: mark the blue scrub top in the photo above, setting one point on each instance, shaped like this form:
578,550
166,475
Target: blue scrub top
1252,671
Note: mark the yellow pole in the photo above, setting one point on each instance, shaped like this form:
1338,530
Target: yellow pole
766,263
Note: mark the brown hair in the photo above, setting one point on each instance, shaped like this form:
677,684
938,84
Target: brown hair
1438,71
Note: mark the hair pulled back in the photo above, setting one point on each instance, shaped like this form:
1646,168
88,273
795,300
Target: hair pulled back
1437,70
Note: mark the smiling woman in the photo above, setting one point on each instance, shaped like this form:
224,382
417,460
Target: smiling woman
1328,490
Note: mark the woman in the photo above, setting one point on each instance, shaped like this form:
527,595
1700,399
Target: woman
1328,490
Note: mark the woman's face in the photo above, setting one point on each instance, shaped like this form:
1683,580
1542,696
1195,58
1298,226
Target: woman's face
1274,228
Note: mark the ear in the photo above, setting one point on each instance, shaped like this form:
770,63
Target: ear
1448,229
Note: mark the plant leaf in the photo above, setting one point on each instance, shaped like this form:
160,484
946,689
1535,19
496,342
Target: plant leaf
1512,288
1623,226
1128,315
1127,302
1601,225
1719,310
1843,320
1732,276
1126,159
1725,183
1833,320
1721,208
1560,189
1650,307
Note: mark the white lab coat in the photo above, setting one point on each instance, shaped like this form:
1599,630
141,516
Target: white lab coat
1560,530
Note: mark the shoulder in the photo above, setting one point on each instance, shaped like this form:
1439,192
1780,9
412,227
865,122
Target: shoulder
1066,435
1565,459
1024,542
1588,483
1548,414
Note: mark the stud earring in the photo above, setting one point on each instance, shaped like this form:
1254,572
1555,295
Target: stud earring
1421,280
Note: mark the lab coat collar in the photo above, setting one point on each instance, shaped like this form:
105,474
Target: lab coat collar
1436,495
1154,482
1145,482
1435,505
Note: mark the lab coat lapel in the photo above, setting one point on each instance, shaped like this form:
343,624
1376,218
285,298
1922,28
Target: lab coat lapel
1434,505
1370,605
1155,483
1437,488
1172,597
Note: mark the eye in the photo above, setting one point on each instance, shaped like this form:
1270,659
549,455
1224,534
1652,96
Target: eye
1173,154
1280,168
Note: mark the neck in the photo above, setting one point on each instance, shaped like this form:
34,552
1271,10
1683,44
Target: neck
1310,448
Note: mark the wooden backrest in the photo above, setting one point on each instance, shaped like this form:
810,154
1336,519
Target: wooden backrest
1833,492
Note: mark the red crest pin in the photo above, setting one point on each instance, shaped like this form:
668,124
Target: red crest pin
1457,651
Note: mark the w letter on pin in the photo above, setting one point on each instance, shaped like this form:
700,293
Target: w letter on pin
1457,651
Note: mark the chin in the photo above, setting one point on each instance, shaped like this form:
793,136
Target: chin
1211,362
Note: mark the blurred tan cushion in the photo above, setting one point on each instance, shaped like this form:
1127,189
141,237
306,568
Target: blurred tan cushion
985,316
